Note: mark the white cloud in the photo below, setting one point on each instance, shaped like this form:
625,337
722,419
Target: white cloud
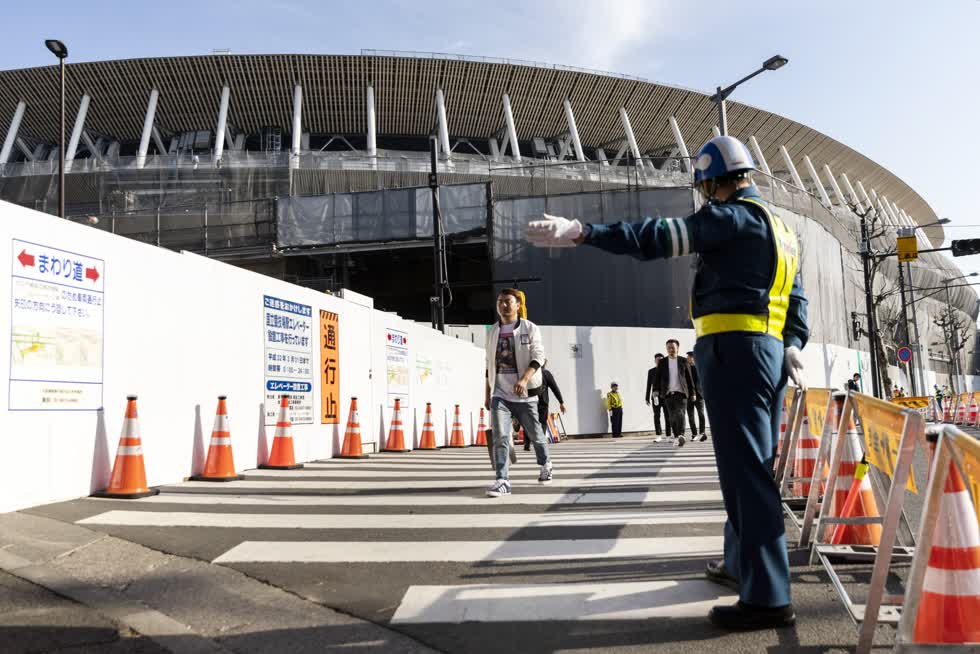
604,35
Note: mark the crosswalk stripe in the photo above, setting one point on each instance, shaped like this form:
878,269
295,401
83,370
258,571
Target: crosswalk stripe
469,551
174,496
399,521
447,484
638,600
480,471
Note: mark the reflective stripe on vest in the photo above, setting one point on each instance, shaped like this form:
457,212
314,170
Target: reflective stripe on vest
787,257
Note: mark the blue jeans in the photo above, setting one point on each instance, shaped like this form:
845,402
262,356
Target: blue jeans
743,381
526,413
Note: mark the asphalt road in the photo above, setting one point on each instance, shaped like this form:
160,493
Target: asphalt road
608,558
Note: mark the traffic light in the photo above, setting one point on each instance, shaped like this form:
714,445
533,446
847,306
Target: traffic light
855,326
965,246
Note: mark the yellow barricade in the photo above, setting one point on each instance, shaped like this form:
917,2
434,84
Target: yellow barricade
916,402
888,437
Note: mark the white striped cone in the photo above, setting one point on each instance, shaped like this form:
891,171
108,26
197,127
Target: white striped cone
949,604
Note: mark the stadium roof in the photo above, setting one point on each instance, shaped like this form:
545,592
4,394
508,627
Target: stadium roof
404,85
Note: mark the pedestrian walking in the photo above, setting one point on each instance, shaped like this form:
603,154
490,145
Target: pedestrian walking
695,402
615,405
749,315
514,356
544,399
853,384
653,399
674,385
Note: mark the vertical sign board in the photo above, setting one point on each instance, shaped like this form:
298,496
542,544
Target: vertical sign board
56,329
329,368
288,330
396,358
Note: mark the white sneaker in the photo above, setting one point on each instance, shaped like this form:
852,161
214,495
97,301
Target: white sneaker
658,439
545,476
498,488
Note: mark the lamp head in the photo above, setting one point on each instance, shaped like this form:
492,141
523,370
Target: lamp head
775,63
57,48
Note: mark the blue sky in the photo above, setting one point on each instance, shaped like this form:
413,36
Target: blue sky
895,80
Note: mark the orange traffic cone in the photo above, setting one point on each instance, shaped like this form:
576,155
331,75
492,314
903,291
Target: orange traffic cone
807,448
950,599
352,436
428,440
961,409
128,481
396,433
974,409
864,504
282,456
481,430
948,410
220,464
456,437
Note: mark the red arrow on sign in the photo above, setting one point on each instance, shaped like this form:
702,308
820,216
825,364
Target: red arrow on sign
25,259
92,273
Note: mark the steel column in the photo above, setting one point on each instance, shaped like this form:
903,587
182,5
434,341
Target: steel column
151,112
8,142
219,132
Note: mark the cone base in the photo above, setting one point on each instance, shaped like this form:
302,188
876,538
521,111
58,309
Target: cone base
352,456
456,446
203,478
126,496
266,466
391,450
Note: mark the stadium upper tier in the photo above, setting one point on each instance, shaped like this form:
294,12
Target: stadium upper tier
377,106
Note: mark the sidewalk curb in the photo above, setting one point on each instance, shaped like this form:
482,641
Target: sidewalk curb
161,629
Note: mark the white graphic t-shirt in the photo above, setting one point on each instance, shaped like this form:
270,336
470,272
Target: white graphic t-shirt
507,373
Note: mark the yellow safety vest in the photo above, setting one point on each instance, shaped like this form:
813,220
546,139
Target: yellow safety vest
787,255
613,401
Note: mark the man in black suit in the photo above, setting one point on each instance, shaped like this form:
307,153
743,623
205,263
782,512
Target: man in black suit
651,396
674,385
695,403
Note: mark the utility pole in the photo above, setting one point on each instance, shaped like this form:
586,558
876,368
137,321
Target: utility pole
438,307
905,330
869,303
917,348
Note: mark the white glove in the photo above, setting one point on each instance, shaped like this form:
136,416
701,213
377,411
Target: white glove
793,364
554,232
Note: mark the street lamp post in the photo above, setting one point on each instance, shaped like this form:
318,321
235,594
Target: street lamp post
772,63
59,50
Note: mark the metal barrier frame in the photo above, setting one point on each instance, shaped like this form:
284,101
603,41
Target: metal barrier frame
814,501
787,448
882,607
951,441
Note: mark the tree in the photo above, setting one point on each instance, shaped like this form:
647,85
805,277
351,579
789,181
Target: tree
956,334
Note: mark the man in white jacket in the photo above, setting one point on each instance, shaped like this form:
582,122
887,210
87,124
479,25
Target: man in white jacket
514,381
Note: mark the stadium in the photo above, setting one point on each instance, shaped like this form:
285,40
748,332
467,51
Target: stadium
314,169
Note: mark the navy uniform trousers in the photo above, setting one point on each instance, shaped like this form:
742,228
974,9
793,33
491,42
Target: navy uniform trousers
743,383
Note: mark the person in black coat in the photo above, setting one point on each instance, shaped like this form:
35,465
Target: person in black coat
651,397
673,385
544,397
697,403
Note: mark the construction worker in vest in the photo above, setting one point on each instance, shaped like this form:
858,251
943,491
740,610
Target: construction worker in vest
749,315
615,405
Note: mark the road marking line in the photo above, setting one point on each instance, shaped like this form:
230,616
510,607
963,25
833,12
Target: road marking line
469,551
400,521
640,600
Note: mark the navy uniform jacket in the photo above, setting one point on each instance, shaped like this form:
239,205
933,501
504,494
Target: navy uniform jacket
742,253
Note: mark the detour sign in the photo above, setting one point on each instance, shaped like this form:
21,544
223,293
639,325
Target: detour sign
883,425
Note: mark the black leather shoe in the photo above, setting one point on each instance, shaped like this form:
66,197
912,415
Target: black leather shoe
743,617
718,573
